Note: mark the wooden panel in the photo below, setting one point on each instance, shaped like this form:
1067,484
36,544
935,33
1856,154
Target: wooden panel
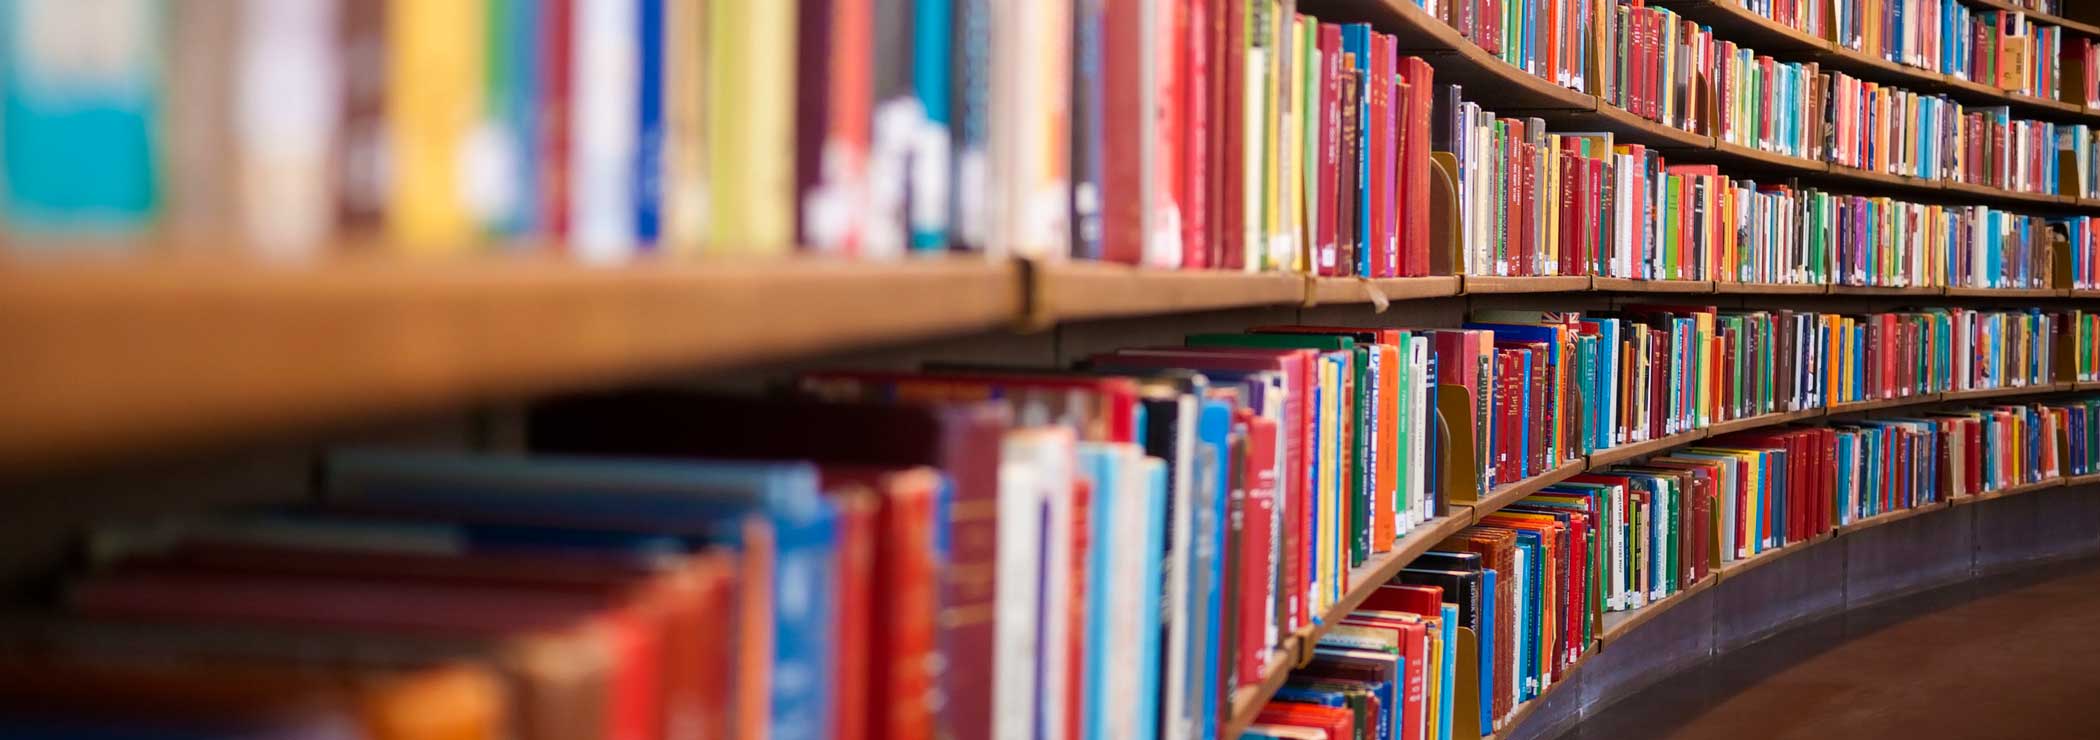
1806,583
1073,291
1326,291
105,359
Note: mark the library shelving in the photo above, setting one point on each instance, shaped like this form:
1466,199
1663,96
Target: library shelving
1248,701
127,355
195,353
1459,60
2039,16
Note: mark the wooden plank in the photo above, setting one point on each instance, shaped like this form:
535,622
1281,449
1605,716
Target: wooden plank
1627,285
111,358
1885,290
1761,420
1477,284
2009,491
1342,290
1509,493
1626,452
1732,288
1889,517
1076,291
1968,292
1618,624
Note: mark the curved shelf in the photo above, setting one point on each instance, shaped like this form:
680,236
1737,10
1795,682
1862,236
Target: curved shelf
2038,16
1517,92
1768,36
1247,702
104,358
1617,625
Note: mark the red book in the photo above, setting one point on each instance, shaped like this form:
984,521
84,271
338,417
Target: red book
1076,606
1255,548
1394,597
438,605
1337,722
907,569
1570,212
1233,242
1127,122
1215,207
1171,130
1378,140
852,681
555,86
1509,442
1414,147
1197,103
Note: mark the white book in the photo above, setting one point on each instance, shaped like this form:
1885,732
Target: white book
1182,526
1017,596
605,119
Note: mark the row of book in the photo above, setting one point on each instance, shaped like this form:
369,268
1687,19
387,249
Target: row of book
2005,49
975,552
1533,580
2084,328
1281,143
1537,202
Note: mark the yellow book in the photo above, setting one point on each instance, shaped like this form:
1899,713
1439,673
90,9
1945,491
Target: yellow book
750,114
1330,485
685,140
435,63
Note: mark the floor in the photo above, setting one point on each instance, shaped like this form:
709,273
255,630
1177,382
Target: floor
2013,656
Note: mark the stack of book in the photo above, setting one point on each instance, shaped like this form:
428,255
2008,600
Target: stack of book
1997,447
2082,243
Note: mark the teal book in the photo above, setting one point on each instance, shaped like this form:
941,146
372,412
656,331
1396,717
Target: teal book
80,107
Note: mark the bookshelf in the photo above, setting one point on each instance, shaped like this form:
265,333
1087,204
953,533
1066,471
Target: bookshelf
1735,22
1518,92
2036,15
107,358
121,357
1247,702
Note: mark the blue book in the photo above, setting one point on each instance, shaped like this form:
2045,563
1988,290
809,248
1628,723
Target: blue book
1155,472
1488,688
933,29
1356,39
718,500
1447,669
1098,463
649,133
1089,123
1213,435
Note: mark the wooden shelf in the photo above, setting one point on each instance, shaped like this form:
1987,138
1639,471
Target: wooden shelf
1890,516
2024,390
1546,284
2009,491
1327,291
1617,624
2038,16
1247,702
1761,420
1878,404
1733,153
1077,291
1885,290
1968,292
1622,453
1626,285
1512,492
116,357
1733,288
1363,579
